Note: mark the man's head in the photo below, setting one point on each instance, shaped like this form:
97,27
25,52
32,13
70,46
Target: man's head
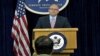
53,10
43,45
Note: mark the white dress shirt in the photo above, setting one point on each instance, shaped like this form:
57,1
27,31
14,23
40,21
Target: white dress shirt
52,21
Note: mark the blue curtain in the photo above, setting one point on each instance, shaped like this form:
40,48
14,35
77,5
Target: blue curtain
83,14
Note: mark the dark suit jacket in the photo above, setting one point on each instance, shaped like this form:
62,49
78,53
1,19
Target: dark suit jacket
61,22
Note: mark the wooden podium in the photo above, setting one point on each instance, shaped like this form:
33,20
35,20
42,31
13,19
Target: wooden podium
69,33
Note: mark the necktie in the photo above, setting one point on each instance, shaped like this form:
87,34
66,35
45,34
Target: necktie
52,22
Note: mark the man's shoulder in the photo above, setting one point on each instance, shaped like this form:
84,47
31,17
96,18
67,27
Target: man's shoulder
43,17
62,17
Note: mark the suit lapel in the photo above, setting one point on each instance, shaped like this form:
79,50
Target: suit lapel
56,23
48,22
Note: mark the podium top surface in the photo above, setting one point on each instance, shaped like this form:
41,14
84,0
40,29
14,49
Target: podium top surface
56,29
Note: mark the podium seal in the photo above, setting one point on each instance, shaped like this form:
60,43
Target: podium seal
59,41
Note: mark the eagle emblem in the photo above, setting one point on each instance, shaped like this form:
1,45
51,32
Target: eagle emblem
56,41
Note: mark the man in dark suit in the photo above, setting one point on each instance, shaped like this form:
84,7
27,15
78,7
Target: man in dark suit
53,20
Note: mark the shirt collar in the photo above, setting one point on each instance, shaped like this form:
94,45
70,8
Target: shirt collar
53,17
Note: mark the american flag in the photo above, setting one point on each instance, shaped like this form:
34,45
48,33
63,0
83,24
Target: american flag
20,31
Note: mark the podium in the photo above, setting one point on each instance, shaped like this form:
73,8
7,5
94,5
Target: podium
69,33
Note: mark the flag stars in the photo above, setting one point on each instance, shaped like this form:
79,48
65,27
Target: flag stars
23,13
21,5
18,11
22,2
23,10
19,8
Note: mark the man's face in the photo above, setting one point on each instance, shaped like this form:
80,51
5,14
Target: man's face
53,10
